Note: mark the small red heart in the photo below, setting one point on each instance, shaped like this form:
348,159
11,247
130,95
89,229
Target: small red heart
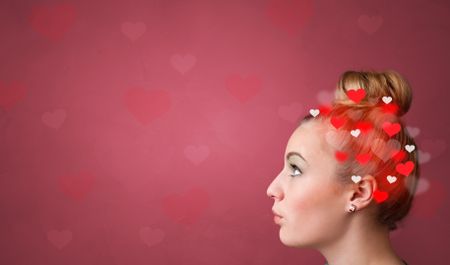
341,156
399,155
380,196
406,168
356,95
390,108
364,126
324,110
391,128
337,121
363,158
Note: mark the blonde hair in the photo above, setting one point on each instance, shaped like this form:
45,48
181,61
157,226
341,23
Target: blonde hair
383,149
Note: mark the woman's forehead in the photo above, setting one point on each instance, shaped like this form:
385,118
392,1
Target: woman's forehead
309,139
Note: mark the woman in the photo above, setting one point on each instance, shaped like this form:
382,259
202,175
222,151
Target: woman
350,172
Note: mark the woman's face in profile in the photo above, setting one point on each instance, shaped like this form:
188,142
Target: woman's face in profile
311,201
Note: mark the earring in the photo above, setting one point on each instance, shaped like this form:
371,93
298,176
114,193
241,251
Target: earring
352,208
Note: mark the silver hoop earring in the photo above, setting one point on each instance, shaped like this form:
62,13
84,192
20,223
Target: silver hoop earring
352,208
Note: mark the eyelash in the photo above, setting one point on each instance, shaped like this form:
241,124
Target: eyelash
295,167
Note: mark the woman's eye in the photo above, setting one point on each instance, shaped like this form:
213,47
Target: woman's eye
295,167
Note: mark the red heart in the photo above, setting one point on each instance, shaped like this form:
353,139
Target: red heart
341,156
363,158
53,21
11,94
390,108
324,110
337,121
356,95
380,196
364,126
399,156
391,128
288,15
406,168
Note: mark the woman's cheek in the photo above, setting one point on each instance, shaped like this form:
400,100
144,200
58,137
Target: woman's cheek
307,201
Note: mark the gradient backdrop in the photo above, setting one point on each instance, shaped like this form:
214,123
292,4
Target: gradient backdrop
147,132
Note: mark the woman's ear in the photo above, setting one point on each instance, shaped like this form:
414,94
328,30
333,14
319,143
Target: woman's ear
361,193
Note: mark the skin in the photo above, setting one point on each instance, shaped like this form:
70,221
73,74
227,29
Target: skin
314,205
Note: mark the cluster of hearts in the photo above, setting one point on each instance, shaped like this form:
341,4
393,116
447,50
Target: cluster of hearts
391,129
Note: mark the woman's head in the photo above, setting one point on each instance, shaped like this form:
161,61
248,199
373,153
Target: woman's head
314,203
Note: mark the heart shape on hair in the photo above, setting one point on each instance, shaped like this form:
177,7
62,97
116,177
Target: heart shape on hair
364,126
355,133
363,158
390,108
341,156
391,179
337,121
325,110
356,95
391,128
398,155
356,178
314,112
384,150
406,168
380,196
410,148
386,99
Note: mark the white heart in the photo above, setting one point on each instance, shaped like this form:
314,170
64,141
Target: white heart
387,100
314,112
391,179
355,133
410,148
356,178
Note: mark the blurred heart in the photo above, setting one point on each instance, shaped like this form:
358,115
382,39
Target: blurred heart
133,30
196,154
54,119
59,239
370,24
11,94
183,63
363,158
151,236
52,21
380,196
341,156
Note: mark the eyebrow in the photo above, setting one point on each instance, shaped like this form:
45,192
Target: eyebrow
294,153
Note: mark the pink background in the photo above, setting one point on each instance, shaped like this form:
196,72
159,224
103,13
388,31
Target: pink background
147,132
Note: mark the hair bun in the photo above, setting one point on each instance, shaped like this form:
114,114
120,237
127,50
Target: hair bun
376,85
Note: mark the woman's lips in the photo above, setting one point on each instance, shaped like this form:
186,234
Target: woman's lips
277,219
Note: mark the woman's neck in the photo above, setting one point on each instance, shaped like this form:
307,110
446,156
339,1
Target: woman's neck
361,244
